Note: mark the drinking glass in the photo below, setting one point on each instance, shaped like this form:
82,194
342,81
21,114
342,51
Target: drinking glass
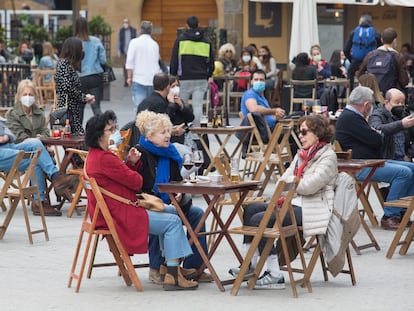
306,106
188,162
198,160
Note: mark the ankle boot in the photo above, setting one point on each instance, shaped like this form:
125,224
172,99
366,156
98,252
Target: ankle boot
188,274
174,280
47,208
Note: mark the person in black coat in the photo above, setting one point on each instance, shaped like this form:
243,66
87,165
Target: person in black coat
125,34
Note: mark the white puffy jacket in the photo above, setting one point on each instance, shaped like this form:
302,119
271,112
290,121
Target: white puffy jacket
315,192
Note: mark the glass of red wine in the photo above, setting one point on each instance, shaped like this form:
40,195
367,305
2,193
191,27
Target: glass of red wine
188,161
198,161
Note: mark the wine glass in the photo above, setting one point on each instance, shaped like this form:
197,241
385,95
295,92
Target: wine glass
188,162
198,160
306,106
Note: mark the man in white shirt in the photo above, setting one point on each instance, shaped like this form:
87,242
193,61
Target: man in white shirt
142,64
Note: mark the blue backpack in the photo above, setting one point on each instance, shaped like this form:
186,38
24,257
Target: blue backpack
363,42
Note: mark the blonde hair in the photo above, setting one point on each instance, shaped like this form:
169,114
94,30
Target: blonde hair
226,47
48,49
149,122
315,47
369,80
22,84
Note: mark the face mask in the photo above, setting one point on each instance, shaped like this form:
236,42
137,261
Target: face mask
27,100
175,90
116,138
397,111
246,58
126,25
259,86
317,58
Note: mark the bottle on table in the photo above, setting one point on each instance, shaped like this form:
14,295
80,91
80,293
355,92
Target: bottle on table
67,129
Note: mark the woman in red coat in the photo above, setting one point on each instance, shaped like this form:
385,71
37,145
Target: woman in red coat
133,224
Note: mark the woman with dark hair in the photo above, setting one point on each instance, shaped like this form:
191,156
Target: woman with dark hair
133,223
369,80
246,62
94,58
338,68
269,66
303,71
315,164
68,85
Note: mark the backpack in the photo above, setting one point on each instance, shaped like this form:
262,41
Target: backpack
363,42
329,98
383,66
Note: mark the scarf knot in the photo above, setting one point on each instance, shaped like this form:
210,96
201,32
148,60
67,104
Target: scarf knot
165,154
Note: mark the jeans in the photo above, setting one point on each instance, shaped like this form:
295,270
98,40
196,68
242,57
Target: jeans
92,84
155,246
8,153
196,89
139,93
253,214
400,175
168,230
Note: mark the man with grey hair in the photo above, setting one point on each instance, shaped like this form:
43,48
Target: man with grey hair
354,132
142,64
363,39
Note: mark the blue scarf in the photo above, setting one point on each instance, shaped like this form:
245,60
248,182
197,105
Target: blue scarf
163,168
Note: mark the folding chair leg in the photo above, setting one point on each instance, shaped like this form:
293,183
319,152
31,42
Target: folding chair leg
93,254
75,200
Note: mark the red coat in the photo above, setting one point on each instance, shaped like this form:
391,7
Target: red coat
131,222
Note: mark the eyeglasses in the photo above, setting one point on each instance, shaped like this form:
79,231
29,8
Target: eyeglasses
227,51
303,132
112,129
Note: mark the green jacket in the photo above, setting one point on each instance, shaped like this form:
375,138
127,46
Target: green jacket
21,126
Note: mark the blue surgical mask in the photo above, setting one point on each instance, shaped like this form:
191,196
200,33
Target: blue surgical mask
116,138
246,58
259,86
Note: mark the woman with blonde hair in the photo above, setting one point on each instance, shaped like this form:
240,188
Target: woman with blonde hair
369,80
226,56
48,60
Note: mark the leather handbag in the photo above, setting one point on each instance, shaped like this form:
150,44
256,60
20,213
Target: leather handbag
108,75
150,202
59,116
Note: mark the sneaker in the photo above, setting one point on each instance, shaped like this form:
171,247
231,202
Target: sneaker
268,281
235,271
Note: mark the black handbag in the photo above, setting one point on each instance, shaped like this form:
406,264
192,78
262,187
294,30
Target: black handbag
108,75
59,116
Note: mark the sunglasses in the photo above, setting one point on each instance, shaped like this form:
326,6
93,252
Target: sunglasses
303,132
228,51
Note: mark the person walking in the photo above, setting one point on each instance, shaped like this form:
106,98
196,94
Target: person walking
93,57
125,35
363,39
142,63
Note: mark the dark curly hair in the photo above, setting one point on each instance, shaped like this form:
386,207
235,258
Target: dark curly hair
95,128
319,125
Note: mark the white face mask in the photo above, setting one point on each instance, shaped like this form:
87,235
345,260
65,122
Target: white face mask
126,25
27,100
246,58
175,90
317,58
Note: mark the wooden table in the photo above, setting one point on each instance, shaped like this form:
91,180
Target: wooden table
212,192
77,142
352,167
228,132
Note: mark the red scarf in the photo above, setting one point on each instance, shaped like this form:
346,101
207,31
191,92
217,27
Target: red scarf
306,155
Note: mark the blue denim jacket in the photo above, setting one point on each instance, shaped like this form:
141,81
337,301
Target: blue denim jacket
95,55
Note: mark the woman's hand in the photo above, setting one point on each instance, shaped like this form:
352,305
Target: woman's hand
133,155
90,99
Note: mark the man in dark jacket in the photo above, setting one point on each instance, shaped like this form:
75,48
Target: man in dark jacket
365,22
391,121
125,34
192,60
354,132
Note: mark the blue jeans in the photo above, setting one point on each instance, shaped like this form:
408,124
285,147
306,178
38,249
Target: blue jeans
194,261
196,89
171,239
139,93
400,175
8,153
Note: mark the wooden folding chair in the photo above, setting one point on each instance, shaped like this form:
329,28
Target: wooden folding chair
20,187
123,261
339,83
74,204
44,79
276,232
408,204
301,83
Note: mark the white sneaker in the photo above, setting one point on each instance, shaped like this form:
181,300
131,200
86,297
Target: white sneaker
268,281
235,271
